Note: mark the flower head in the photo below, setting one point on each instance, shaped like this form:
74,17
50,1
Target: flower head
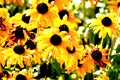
106,24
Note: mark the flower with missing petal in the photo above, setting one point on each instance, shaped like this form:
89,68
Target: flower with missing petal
71,57
96,56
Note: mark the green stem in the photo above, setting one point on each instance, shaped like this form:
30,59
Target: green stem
112,44
84,15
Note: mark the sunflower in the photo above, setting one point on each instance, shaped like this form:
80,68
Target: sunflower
71,57
15,2
114,5
17,34
69,15
52,41
21,55
43,13
60,3
106,24
96,56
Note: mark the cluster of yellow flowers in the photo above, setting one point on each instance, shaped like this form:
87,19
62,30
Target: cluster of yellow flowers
48,29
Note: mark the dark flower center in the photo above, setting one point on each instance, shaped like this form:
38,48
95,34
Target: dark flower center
79,65
30,44
1,6
62,13
19,49
25,18
34,30
19,33
71,50
31,35
55,40
64,27
96,55
50,1
106,21
118,4
20,77
42,8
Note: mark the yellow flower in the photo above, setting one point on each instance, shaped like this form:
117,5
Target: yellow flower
114,5
106,24
71,57
17,34
52,41
18,54
96,56
43,13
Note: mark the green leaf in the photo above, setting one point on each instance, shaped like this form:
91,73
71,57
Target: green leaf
89,76
113,75
118,49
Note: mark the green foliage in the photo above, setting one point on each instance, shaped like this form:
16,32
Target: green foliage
118,49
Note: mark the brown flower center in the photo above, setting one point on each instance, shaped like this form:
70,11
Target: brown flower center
50,1
55,40
79,65
106,21
64,27
19,33
19,49
20,77
96,55
42,8
71,51
62,13
30,44
118,4
25,18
